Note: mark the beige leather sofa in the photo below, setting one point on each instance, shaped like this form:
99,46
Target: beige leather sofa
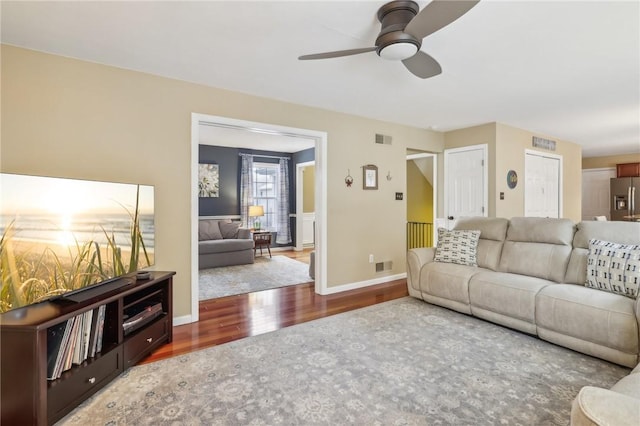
619,406
530,277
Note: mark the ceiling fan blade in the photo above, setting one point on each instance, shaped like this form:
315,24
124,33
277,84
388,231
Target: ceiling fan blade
422,65
337,53
437,14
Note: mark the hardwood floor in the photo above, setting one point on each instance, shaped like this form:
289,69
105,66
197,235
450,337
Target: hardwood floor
301,256
234,317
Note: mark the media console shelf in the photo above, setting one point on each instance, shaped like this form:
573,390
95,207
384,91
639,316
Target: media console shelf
28,398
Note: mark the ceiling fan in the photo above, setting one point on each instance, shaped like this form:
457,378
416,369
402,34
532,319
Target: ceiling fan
403,29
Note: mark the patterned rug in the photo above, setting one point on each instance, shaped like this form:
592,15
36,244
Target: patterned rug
264,274
403,362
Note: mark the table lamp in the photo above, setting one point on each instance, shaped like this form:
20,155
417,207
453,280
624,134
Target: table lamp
256,211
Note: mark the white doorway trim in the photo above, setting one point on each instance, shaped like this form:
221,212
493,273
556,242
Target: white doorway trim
320,139
299,203
434,179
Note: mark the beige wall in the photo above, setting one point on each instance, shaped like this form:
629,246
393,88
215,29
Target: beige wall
476,135
511,144
69,118
506,149
309,189
609,161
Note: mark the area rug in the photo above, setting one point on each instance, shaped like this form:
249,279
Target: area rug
266,273
403,362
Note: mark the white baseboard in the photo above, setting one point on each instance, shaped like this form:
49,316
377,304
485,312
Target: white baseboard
185,319
367,283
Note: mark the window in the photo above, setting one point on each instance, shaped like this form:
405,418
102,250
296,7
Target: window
265,193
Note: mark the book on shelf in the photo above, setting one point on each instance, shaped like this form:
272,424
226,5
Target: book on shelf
100,328
55,338
87,334
76,358
93,333
74,341
71,347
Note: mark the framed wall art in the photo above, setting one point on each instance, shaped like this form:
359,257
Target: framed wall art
208,180
369,177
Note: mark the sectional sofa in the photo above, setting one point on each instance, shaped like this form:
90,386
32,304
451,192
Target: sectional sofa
530,276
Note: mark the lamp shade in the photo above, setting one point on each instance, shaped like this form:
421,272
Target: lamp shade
256,211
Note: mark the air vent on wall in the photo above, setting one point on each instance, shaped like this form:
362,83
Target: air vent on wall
384,266
383,139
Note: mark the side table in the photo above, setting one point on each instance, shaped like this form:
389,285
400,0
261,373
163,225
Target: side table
261,239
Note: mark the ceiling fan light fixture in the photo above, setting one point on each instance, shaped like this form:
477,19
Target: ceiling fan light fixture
398,51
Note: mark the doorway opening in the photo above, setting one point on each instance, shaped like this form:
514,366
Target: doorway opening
305,205
422,173
248,127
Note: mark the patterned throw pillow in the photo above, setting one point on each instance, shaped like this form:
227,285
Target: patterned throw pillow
614,267
457,246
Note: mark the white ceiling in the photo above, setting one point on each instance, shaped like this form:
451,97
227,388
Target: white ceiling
565,69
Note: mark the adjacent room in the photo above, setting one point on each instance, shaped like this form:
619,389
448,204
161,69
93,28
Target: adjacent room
255,182
320,213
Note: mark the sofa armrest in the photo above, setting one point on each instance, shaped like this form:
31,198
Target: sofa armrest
416,258
244,234
597,406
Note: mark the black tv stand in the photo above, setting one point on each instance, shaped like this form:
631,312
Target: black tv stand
28,397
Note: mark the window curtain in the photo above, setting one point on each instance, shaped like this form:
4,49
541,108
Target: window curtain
246,188
284,229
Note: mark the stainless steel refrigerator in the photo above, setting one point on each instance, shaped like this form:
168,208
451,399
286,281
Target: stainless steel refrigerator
624,194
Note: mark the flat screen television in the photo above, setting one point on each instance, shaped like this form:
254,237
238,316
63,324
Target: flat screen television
60,236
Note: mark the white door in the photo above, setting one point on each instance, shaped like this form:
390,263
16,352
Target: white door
542,184
465,182
596,186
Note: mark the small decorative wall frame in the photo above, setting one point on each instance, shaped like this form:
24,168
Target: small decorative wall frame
369,177
208,180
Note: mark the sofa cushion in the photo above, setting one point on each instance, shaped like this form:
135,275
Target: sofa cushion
499,295
541,230
621,232
538,247
589,315
614,267
493,231
447,281
457,246
208,229
229,229
223,246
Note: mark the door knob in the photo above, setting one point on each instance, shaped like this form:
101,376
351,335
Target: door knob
450,217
